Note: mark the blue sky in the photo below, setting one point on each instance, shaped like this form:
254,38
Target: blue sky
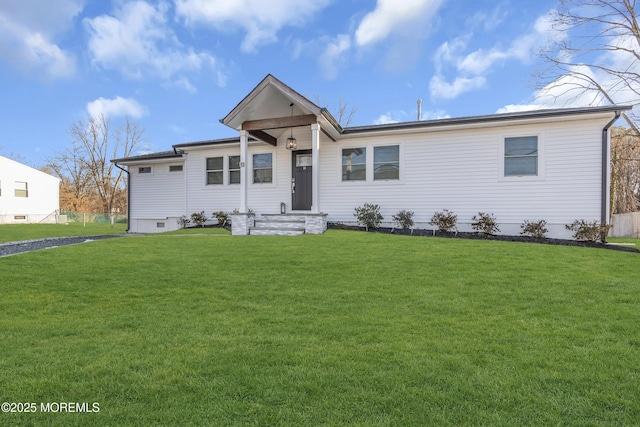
178,66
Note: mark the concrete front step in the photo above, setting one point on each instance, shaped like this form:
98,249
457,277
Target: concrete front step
273,223
278,225
276,231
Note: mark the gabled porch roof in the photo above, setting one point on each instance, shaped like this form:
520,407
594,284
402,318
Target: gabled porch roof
272,107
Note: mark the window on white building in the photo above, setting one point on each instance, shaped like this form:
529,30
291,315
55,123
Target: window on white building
215,166
521,156
22,189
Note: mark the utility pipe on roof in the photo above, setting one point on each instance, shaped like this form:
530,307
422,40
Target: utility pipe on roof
128,193
604,203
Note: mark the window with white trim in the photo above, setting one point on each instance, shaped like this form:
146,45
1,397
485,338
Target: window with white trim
145,169
215,170
234,169
354,164
386,162
22,189
175,168
521,156
262,168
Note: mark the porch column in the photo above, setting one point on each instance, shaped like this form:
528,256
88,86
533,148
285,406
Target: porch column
315,170
244,141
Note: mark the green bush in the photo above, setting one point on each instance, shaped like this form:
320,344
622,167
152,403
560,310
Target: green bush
485,223
199,218
183,221
403,219
445,221
536,229
222,217
589,231
368,215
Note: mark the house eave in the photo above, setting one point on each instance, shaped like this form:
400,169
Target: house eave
473,122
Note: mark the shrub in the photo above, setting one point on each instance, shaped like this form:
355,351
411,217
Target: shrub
369,215
485,223
590,231
445,220
199,218
222,217
183,221
403,219
534,229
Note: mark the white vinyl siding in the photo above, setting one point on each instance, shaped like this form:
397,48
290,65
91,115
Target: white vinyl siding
28,195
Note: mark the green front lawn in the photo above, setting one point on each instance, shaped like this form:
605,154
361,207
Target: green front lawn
17,232
344,328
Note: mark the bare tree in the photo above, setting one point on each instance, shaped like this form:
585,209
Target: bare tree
625,170
596,53
345,113
77,192
97,145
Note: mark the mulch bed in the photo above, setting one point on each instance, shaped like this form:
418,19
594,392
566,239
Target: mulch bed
482,236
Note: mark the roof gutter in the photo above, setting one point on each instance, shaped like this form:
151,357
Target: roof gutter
128,193
604,203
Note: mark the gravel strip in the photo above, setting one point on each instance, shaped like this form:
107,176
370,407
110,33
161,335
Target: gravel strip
12,248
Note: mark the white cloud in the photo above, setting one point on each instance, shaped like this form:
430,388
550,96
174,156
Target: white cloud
403,116
333,54
260,19
440,88
384,119
28,30
117,106
391,16
471,69
137,40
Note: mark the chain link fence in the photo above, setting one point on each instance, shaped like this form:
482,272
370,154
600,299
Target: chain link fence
89,217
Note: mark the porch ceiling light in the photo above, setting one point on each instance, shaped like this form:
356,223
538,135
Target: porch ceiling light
292,144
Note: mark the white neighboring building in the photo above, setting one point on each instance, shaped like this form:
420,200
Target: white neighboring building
27,195
550,165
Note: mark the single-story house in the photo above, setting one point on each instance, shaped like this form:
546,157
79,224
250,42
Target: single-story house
293,166
27,195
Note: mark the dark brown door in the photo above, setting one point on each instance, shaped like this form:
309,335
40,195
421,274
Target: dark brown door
301,180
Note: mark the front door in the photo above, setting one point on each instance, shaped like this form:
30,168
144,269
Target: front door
301,180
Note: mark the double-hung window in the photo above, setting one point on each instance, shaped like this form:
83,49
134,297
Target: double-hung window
215,170
521,156
354,164
386,162
234,169
22,189
262,168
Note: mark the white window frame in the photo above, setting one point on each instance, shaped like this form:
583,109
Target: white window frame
540,176
273,168
353,181
181,166
369,161
25,189
228,169
145,173
207,170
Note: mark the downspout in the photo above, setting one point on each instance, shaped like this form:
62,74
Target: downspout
604,203
128,194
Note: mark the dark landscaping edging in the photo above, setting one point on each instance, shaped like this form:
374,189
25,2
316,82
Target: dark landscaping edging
482,236
12,248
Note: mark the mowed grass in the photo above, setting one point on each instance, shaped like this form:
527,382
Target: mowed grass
344,328
18,232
